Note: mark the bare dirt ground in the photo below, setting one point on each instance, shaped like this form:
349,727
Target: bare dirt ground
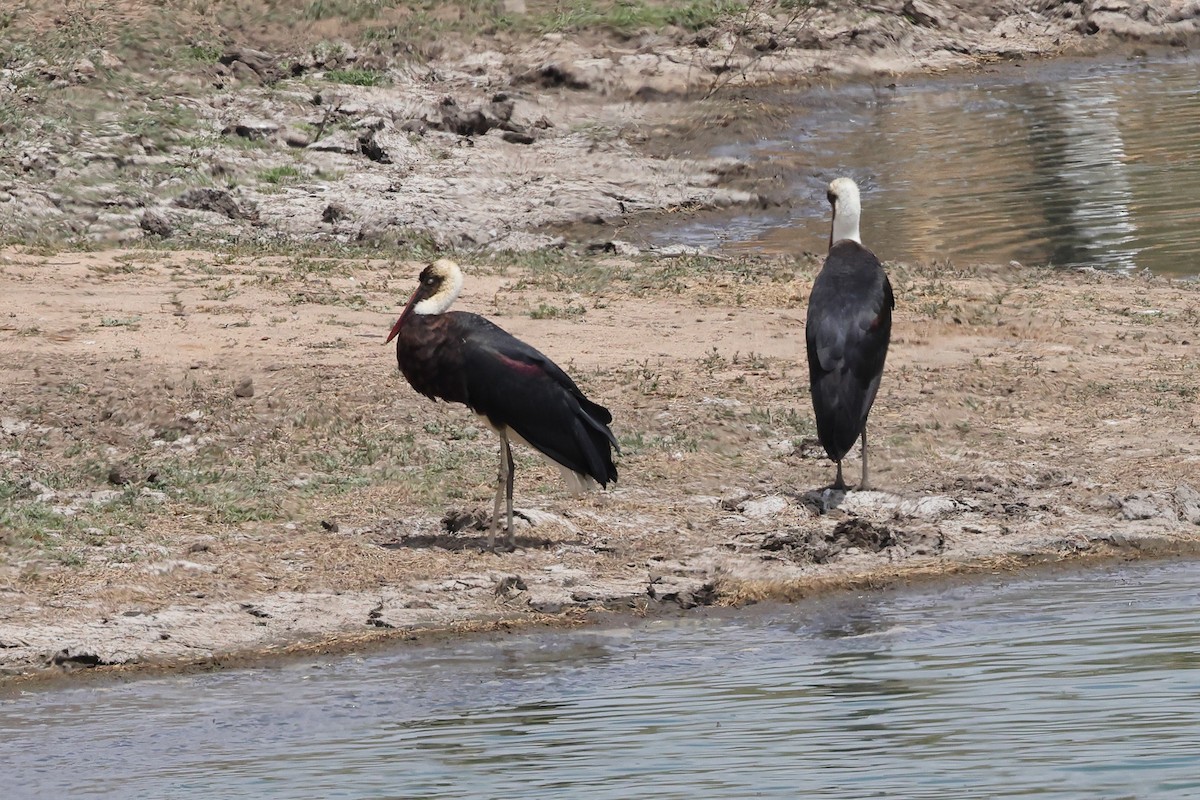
205,452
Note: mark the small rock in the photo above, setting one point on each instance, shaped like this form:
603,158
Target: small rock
456,520
251,129
65,658
383,232
244,388
686,592
334,213
553,76
83,70
465,123
502,107
102,497
371,148
1189,503
509,584
109,61
923,14
217,201
297,139
337,142
375,618
763,507
255,611
253,65
156,224
371,123
518,137
244,74
1134,508
152,495
930,507
734,499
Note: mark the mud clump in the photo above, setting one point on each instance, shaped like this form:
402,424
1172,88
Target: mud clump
849,537
216,201
461,519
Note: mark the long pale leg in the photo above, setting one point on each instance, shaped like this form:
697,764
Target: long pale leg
512,536
865,485
500,481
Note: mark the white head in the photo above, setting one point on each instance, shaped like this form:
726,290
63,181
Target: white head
843,196
441,282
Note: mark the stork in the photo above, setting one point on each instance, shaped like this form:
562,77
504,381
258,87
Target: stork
848,329
521,394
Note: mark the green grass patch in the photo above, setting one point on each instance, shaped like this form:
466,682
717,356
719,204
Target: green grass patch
277,175
547,311
348,10
356,77
203,53
626,17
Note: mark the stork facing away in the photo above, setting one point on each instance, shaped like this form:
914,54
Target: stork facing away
519,393
848,329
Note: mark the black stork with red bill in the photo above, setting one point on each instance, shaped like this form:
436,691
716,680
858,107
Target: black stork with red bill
521,394
848,330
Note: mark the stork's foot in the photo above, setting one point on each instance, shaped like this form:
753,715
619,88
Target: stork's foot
502,547
839,483
501,531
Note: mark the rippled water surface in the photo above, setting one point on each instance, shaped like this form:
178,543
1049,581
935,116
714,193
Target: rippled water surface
1078,685
1083,163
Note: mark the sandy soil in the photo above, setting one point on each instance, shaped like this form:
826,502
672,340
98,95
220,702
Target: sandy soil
205,453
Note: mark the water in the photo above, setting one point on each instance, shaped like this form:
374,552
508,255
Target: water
1075,685
1076,164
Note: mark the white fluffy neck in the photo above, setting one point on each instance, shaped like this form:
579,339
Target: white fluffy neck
441,300
846,213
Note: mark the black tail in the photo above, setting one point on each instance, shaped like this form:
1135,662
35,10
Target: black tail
572,431
598,442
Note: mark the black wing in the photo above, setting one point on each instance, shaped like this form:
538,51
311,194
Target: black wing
516,386
847,332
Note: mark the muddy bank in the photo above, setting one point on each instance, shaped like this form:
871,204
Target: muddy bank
206,455
465,129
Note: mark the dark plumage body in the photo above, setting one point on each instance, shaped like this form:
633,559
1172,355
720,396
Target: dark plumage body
463,358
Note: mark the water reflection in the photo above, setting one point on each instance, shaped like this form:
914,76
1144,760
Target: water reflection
1080,176
1076,165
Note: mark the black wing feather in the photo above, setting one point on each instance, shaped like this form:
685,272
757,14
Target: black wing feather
516,386
847,332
